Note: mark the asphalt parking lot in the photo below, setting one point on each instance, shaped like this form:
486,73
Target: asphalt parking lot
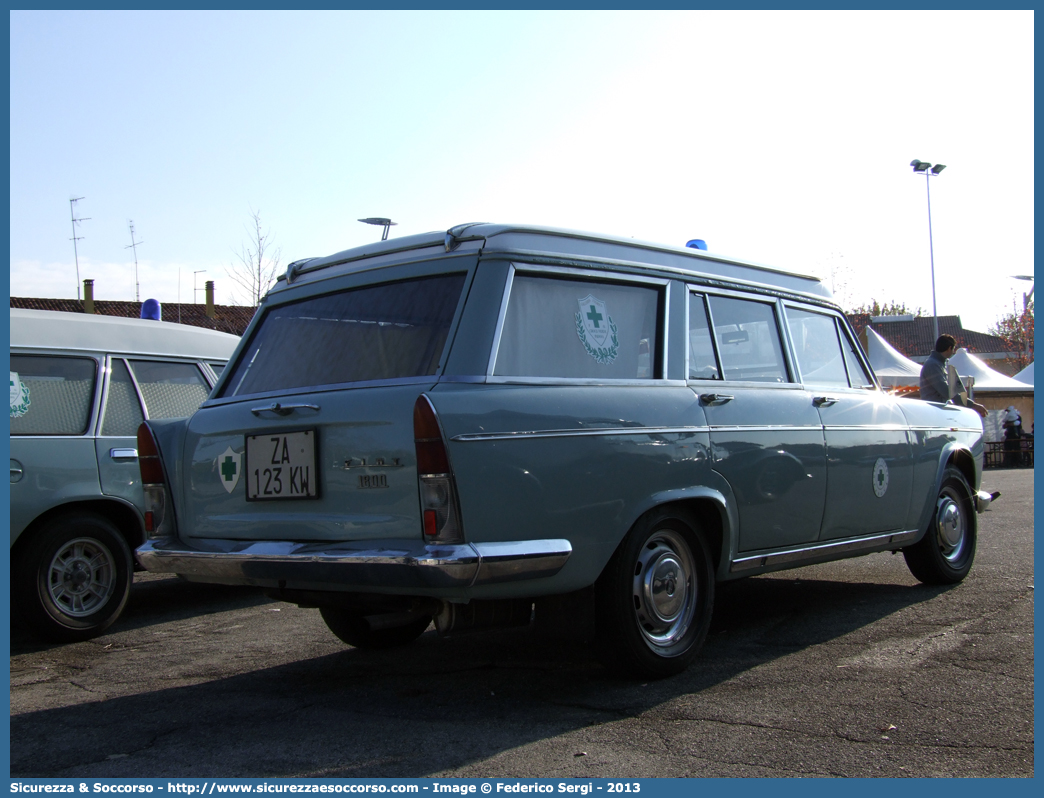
843,669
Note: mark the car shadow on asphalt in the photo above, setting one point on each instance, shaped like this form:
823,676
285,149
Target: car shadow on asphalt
392,713
155,601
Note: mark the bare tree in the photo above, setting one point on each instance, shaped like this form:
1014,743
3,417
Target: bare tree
257,260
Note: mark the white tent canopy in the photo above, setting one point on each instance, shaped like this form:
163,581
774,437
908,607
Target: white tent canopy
1026,375
892,368
986,379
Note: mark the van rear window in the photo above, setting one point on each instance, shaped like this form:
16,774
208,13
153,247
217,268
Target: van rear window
381,332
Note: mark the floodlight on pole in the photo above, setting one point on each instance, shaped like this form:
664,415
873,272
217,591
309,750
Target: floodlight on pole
380,221
925,168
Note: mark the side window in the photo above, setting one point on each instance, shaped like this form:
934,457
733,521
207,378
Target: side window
748,340
817,348
51,395
170,390
857,376
122,410
578,329
702,363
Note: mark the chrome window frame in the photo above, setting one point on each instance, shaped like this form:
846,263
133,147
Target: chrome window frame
663,285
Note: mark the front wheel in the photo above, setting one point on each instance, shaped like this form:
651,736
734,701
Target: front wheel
945,554
352,628
656,596
72,580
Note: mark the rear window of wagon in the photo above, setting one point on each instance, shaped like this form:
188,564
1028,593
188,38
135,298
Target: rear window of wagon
380,332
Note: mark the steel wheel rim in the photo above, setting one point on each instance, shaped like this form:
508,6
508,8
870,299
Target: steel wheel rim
950,526
81,577
664,590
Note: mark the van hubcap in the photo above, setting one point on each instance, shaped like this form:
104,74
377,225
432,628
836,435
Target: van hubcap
664,589
81,577
950,526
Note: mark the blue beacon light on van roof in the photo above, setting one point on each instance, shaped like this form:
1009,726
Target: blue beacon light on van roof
696,243
150,309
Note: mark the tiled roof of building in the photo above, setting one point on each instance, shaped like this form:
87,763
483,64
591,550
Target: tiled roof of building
229,318
915,337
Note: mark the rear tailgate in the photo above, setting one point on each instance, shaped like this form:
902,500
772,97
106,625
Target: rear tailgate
329,466
310,436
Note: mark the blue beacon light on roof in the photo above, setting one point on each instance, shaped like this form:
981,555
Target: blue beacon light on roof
696,243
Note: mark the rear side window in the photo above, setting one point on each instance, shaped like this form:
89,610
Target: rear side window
51,395
170,390
382,332
748,340
579,329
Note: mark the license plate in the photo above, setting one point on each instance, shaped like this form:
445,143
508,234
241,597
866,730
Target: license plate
281,466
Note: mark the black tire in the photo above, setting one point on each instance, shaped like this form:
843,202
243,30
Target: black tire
656,596
73,578
944,555
353,629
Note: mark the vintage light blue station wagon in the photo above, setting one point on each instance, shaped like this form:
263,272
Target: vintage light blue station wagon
80,386
460,425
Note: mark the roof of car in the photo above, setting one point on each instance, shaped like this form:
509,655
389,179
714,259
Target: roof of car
89,333
526,242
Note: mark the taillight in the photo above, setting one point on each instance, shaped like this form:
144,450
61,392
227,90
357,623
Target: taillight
148,457
438,492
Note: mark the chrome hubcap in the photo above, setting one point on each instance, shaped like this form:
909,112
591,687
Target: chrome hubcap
950,526
81,577
664,589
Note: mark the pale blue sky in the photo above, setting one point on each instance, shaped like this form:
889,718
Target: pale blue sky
782,137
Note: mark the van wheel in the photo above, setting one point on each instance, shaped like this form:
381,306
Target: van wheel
944,555
352,628
656,596
73,578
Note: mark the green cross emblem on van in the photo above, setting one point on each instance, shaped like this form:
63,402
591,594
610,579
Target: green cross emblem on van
228,469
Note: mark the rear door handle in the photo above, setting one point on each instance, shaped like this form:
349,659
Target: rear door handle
123,455
716,398
282,410
825,401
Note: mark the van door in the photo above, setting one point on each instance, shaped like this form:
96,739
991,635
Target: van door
766,436
52,403
869,458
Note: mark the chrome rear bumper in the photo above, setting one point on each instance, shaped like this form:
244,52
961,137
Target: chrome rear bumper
397,564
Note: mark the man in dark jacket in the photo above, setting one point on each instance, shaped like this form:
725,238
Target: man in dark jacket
934,385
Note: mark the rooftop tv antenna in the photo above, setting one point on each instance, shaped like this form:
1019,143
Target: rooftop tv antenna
75,238
133,245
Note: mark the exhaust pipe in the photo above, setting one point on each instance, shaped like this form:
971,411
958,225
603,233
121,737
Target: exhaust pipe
483,614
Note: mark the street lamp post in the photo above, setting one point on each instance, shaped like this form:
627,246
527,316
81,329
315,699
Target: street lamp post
930,171
380,221
1025,311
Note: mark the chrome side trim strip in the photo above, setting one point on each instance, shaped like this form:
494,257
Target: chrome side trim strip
575,433
830,549
405,564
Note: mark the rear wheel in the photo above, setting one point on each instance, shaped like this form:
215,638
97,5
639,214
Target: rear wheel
945,554
656,596
72,580
353,629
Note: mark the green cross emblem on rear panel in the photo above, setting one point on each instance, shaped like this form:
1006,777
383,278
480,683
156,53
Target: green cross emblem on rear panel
228,469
